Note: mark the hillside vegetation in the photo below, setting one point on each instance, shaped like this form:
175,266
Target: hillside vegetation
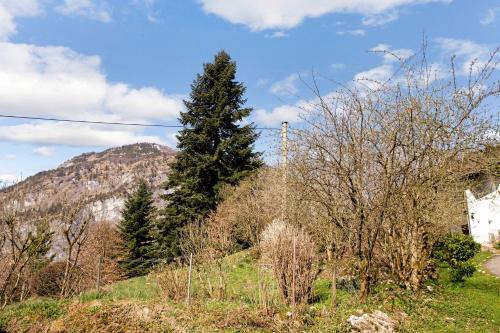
138,305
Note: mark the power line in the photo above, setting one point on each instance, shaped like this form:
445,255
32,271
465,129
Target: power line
88,121
108,123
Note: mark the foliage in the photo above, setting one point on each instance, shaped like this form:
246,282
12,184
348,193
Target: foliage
460,270
137,305
214,150
135,230
497,245
30,312
456,250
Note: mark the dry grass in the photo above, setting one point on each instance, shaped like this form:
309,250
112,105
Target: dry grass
172,280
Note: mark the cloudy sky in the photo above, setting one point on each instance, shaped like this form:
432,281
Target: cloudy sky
134,60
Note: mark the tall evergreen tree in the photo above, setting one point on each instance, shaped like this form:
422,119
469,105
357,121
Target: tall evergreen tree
135,228
215,149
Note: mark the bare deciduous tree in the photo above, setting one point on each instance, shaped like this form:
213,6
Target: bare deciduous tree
23,241
75,221
380,157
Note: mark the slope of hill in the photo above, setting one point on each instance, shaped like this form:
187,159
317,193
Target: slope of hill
252,303
101,179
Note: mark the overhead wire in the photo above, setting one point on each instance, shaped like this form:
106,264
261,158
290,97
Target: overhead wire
109,122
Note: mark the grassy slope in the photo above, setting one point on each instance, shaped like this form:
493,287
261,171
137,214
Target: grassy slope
137,305
472,306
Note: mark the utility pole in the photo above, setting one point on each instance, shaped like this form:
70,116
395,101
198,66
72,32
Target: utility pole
284,165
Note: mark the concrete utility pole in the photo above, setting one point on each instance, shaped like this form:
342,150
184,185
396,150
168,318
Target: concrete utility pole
284,165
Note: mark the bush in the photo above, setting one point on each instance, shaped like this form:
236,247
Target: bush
497,245
291,253
456,250
462,270
48,280
172,280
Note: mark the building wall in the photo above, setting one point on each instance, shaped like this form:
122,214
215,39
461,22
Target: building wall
484,217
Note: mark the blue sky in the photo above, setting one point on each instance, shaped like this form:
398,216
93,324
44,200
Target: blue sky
134,60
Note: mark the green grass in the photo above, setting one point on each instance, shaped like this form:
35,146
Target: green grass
471,306
32,311
142,288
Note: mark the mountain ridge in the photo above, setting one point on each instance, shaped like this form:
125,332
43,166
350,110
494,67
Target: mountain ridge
101,179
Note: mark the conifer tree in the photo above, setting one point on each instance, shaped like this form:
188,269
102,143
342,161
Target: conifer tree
215,149
135,229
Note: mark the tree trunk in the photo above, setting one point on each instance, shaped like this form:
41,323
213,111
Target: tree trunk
334,287
364,281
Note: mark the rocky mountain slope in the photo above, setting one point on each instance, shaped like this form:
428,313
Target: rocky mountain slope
101,179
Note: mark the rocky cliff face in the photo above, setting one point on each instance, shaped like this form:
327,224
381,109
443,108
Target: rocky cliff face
101,179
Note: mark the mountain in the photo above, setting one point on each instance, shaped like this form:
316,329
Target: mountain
101,179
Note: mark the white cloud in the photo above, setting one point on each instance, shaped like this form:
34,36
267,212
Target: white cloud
276,34
148,7
144,103
21,8
279,114
171,138
10,157
373,77
285,14
58,82
285,87
385,73
467,53
377,20
262,82
337,67
7,25
490,16
44,151
8,179
72,135
291,112
392,55
85,8
10,9
354,32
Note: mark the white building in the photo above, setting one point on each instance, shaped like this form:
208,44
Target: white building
484,217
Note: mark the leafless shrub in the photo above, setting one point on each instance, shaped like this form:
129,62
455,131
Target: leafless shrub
104,245
24,243
292,256
172,280
239,220
48,280
75,220
377,160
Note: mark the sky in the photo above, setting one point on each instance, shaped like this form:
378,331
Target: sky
134,61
